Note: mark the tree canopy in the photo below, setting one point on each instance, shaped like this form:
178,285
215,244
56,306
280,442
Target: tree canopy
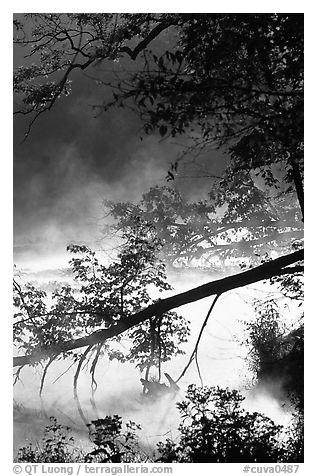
227,81
230,79
233,82
215,428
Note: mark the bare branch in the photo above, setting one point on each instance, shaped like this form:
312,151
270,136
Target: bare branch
17,374
80,363
194,353
45,372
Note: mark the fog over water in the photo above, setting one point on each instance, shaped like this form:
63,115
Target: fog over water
71,163
222,361
45,224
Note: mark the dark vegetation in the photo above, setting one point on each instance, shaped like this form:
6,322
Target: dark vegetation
215,429
276,355
225,81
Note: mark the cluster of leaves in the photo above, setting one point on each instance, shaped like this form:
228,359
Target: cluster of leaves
291,286
237,79
57,447
215,429
177,223
276,354
59,44
294,441
104,295
265,335
233,80
238,223
112,444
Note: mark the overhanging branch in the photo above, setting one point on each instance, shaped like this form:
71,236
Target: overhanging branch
148,39
265,271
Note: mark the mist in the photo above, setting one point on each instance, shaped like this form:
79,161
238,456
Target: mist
62,204
69,164
222,361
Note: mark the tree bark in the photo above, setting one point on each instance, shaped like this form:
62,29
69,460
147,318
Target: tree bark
265,271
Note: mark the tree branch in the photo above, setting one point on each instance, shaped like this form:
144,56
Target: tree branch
195,351
298,185
147,40
265,271
258,241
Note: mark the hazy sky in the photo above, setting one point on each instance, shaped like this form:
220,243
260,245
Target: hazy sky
71,161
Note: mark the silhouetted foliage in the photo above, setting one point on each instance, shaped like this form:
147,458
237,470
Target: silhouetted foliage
235,82
294,442
228,81
276,353
112,444
102,296
237,224
232,81
215,429
57,446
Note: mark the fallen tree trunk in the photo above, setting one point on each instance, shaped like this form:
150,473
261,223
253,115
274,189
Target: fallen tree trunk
265,271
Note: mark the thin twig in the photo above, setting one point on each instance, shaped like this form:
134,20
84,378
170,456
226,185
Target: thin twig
61,375
94,384
198,370
80,363
17,374
45,372
194,353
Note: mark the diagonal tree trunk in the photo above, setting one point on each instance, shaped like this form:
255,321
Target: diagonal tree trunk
265,271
